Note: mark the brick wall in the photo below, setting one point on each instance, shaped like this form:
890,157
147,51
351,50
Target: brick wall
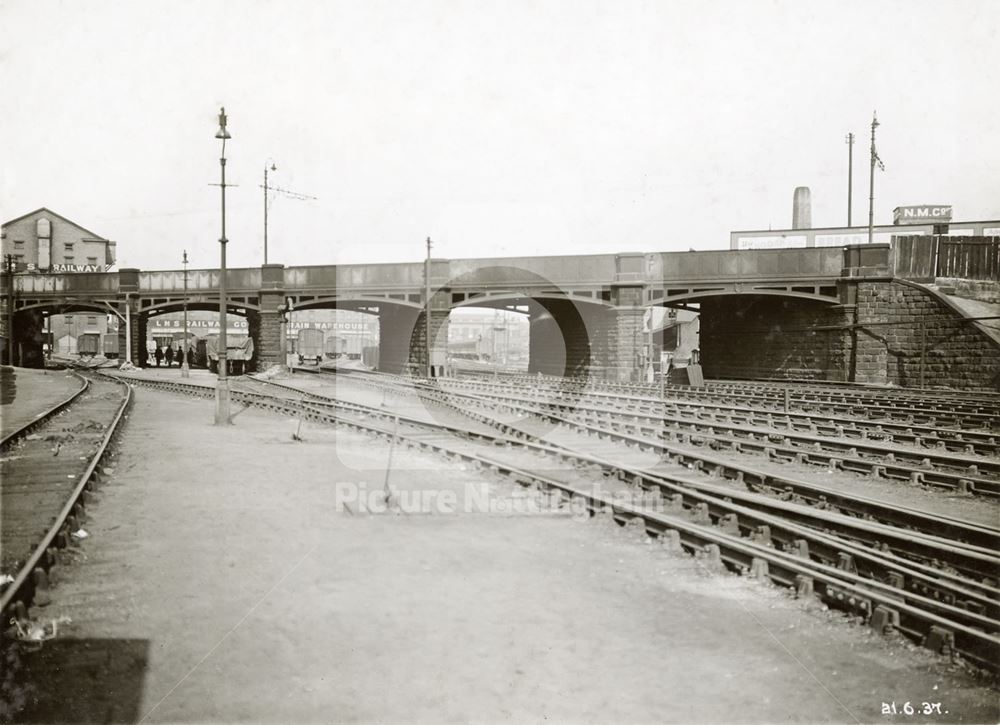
138,337
750,336
266,333
83,246
956,353
418,338
626,339
395,328
758,336
560,337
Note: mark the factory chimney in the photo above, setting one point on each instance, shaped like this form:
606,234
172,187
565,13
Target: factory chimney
801,209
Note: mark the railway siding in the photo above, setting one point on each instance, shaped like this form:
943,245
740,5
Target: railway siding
48,471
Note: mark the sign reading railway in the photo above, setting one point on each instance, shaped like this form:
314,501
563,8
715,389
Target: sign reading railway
924,214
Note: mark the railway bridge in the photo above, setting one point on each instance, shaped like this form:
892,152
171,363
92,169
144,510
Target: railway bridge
856,313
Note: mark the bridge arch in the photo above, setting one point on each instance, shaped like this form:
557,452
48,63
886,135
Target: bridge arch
826,294
761,335
354,302
569,328
143,318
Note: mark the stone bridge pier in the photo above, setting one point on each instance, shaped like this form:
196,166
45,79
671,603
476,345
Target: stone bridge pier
583,339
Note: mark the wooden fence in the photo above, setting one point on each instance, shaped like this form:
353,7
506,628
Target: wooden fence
977,258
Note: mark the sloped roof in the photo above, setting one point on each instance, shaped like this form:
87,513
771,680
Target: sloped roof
97,237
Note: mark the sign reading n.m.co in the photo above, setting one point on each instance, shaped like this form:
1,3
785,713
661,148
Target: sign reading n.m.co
924,214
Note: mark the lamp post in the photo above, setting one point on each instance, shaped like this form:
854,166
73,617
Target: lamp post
222,385
185,369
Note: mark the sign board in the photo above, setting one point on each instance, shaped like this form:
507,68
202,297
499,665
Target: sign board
161,324
771,242
925,214
81,267
61,268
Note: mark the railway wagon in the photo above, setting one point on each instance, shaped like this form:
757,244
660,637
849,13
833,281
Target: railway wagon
88,344
239,351
310,345
111,347
336,346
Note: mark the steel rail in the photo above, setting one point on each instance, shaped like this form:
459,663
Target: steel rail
22,589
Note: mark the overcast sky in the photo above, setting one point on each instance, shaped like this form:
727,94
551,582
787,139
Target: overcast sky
497,128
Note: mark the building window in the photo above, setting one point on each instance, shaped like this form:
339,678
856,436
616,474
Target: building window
68,246
68,259
91,320
68,319
18,258
91,260
18,244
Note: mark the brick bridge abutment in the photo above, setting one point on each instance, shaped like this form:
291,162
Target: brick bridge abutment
887,332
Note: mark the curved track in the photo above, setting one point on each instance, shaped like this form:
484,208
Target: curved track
48,470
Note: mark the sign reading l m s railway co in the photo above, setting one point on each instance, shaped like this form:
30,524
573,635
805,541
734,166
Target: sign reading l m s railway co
32,267
924,214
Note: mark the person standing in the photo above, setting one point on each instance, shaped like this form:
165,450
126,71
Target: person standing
170,355
158,355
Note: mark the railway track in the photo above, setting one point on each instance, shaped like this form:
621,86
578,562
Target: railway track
978,411
969,473
940,531
49,468
724,468
942,609
976,442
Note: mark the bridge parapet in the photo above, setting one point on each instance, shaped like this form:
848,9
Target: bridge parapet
357,276
199,280
746,265
66,284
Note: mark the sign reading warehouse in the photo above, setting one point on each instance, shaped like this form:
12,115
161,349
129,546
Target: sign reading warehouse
927,213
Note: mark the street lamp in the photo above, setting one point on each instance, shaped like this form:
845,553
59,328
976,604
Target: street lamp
222,386
185,369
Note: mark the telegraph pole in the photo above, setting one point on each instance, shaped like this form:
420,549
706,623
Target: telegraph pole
9,263
850,173
427,309
273,168
871,180
285,192
185,368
